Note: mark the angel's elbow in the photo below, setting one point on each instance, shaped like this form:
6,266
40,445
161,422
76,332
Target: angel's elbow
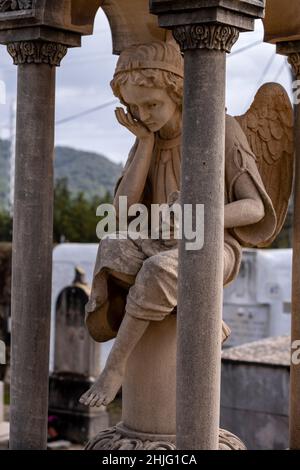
259,210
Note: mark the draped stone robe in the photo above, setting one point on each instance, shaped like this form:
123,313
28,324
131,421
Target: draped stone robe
150,266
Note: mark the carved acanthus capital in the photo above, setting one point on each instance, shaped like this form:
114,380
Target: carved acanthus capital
37,52
114,439
14,5
206,36
118,439
294,60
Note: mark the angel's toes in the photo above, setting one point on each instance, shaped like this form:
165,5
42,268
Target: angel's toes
86,397
108,399
97,400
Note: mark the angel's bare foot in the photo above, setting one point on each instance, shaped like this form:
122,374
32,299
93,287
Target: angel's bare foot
104,390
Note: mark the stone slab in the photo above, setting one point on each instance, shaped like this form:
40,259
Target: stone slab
269,351
1,402
255,392
4,435
181,12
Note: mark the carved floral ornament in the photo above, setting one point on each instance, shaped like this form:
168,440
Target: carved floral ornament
294,60
13,5
206,37
114,439
37,52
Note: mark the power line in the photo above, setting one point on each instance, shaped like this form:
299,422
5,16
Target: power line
280,70
266,70
92,57
245,48
84,113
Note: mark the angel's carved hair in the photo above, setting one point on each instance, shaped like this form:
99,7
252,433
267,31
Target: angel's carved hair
134,67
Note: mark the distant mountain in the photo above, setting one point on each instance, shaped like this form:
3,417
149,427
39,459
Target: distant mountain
91,173
87,172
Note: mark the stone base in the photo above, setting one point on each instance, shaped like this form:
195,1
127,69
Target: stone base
4,435
262,369
76,422
121,438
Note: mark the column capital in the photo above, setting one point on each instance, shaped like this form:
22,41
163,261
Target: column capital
240,15
291,49
13,5
37,52
206,36
294,61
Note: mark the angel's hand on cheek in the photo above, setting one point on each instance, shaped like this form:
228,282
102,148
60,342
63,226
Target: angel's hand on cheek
133,125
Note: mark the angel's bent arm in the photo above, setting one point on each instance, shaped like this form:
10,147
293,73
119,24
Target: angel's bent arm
133,182
248,209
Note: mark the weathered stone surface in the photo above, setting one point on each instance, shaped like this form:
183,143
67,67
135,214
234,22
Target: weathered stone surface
246,7
13,5
76,423
32,258
206,37
75,352
294,60
37,52
76,364
130,21
236,14
255,392
270,351
282,21
117,438
129,292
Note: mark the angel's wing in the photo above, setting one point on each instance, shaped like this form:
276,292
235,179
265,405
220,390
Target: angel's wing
268,125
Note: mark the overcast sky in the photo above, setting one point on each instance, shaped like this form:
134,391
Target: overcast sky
83,83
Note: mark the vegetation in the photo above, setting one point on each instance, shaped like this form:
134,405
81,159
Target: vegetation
4,171
75,217
89,173
5,226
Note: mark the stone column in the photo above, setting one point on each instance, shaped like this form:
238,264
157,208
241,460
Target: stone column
294,59
201,271
205,31
32,240
292,50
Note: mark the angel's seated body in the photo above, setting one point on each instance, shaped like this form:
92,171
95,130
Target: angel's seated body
135,280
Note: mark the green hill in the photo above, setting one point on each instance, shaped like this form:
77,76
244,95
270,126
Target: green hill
87,172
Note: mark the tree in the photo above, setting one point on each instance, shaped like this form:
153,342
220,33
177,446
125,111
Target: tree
5,226
75,217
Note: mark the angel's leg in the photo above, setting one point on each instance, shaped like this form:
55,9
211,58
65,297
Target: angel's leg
104,390
152,297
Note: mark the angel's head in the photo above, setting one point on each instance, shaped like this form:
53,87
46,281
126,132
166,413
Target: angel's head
149,81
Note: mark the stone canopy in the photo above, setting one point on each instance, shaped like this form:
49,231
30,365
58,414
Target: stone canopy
130,20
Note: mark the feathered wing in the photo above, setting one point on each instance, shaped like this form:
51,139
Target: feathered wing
268,125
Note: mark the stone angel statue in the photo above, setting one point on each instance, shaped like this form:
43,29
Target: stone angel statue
135,280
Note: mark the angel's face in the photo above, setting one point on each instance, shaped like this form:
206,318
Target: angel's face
152,106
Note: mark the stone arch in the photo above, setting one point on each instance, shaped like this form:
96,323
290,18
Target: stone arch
282,23
130,21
